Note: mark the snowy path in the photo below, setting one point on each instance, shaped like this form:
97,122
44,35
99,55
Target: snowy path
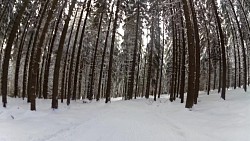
138,120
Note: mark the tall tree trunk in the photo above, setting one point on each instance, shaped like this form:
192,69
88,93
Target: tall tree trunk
72,56
131,82
150,62
109,81
183,63
90,95
56,74
64,73
243,48
224,67
44,7
191,60
234,47
37,57
19,56
172,86
7,52
209,60
49,55
162,61
197,51
80,51
25,70
103,55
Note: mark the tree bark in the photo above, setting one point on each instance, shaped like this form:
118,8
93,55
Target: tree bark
131,82
56,74
103,55
224,67
109,81
7,52
80,51
191,59
243,48
90,96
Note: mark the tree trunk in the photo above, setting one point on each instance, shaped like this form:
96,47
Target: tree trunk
172,87
243,48
19,56
44,7
162,61
183,63
49,55
224,67
56,74
80,51
197,51
109,81
103,54
7,52
72,56
90,95
64,73
191,60
150,62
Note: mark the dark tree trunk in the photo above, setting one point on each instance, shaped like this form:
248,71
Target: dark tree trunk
143,81
150,61
162,61
90,95
49,55
44,7
197,51
224,67
191,60
25,70
172,87
109,81
19,56
64,73
242,47
80,51
103,55
7,52
234,48
183,68
72,57
131,82
56,74
209,60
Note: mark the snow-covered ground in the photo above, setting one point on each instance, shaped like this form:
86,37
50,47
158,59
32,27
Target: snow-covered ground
213,119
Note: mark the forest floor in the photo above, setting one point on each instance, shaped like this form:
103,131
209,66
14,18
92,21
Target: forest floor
213,119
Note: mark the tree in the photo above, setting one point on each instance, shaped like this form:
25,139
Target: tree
222,44
109,81
103,54
131,83
8,51
197,51
59,56
191,60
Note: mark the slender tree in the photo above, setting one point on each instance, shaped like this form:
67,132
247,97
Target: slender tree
104,52
90,95
131,82
7,52
222,44
59,56
109,81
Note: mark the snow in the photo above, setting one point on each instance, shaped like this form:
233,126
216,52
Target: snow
213,119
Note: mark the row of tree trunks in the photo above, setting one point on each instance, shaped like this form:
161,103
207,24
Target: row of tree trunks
7,52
